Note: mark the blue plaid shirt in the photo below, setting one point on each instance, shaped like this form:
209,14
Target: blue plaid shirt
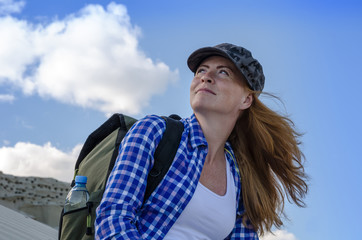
121,214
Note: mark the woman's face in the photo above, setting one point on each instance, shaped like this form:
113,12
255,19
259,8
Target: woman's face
219,87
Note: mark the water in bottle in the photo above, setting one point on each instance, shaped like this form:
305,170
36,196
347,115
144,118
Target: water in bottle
78,195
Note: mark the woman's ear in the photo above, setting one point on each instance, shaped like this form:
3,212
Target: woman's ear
247,101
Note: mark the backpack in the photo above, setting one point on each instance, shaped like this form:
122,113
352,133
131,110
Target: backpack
96,161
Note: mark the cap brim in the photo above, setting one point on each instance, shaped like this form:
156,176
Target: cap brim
201,54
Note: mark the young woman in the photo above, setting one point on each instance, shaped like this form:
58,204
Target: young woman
236,161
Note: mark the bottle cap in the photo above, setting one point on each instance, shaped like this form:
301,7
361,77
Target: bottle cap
81,179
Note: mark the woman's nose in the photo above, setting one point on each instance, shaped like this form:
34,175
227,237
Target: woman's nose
207,77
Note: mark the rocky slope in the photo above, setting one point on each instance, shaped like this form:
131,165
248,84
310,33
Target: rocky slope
39,198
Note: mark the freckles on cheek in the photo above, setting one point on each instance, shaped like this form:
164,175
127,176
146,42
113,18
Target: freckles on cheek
193,85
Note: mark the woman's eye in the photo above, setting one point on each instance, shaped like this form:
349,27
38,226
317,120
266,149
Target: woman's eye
224,72
200,70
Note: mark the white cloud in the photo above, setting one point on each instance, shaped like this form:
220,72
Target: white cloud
10,6
279,235
91,59
6,98
27,159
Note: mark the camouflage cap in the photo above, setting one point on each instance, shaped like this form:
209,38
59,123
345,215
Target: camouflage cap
249,67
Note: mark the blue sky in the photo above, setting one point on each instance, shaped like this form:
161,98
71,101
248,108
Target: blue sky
66,65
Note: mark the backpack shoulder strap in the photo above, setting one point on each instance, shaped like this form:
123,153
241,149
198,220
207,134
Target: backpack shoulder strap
116,121
165,153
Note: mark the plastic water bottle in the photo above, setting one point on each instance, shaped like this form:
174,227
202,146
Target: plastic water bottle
78,195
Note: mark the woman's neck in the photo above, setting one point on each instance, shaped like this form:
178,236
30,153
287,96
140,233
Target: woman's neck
216,129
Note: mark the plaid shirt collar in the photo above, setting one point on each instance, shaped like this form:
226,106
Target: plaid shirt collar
197,137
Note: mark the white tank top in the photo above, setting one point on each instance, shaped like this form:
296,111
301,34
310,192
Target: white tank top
207,216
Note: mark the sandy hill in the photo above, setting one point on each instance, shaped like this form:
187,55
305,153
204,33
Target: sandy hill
41,199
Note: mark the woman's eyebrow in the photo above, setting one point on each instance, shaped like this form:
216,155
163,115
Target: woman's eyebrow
225,66
220,66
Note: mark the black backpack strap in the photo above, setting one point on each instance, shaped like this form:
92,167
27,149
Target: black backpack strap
165,153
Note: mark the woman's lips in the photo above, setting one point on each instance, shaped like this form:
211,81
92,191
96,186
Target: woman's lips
205,90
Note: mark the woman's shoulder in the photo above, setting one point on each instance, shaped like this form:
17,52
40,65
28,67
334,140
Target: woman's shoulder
150,124
157,124
152,120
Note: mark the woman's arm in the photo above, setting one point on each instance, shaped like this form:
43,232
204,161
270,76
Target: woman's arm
123,196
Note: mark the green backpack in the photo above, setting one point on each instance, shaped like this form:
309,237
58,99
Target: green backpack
96,161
